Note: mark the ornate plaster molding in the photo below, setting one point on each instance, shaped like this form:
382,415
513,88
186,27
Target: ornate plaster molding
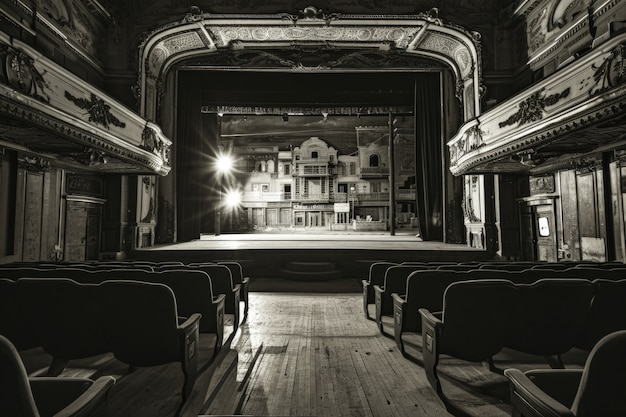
589,92
202,35
35,90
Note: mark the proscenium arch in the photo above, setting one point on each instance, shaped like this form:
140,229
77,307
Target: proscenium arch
422,37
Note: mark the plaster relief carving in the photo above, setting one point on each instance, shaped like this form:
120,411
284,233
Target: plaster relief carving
18,71
611,72
532,109
99,111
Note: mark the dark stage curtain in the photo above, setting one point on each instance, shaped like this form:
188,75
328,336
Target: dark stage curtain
195,179
428,155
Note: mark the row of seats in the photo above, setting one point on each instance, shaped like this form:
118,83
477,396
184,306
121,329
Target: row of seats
237,275
46,316
472,312
138,322
378,270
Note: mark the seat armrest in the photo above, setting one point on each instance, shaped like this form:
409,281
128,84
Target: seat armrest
219,299
529,400
245,281
432,327
188,324
52,395
560,384
237,289
379,288
398,299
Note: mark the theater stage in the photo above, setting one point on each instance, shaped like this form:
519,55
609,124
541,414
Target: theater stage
310,256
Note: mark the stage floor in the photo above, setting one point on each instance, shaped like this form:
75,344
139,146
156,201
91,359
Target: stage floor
310,256
343,240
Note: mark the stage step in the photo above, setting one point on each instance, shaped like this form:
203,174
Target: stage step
310,271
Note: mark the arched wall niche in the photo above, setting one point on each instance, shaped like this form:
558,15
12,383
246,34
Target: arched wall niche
423,35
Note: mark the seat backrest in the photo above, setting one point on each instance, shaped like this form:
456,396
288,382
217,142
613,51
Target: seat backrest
377,272
607,314
475,316
396,277
193,291
425,289
141,320
16,397
15,273
13,324
236,271
63,315
549,315
513,266
603,383
221,277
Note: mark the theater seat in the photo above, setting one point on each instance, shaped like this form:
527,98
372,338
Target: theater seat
21,396
141,320
596,390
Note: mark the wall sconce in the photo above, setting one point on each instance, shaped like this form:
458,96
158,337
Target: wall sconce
325,114
285,117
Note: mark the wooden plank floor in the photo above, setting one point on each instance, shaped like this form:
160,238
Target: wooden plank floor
317,355
300,354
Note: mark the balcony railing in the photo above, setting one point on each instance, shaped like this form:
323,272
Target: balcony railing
404,194
251,196
374,171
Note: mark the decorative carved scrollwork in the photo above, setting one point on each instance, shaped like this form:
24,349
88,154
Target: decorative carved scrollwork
34,164
431,16
99,111
91,157
611,73
310,13
17,70
531,109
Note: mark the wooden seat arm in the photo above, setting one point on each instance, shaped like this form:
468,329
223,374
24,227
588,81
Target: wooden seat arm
530,400
219,299
188,325
51,395
398,299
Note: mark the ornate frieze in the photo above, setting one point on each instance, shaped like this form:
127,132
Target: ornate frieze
260,40
399,36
